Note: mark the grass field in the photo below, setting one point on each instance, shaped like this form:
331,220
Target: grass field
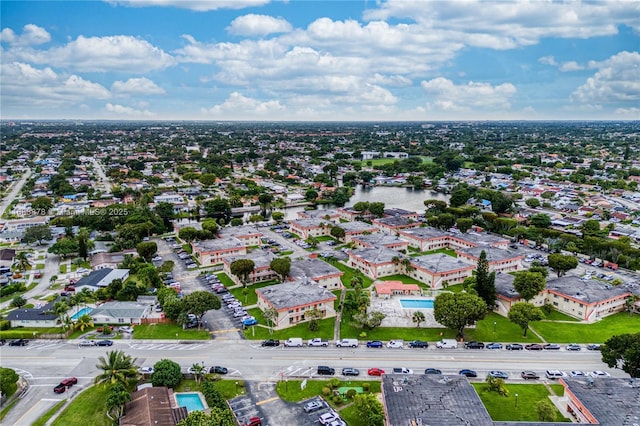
301,330
168,331
510,408
559,316
290,390
348,274
86,408
227,388
588,333
251,297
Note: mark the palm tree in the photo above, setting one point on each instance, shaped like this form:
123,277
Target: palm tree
418,317
60,308
198,371
116,400
83,322
116,367
270,314
313,315
66,322
22,262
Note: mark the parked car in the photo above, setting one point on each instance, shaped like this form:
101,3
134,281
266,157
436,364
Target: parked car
312,406
529,375
350,371
551,347
328,418
249,321
270,342
598,373
104,342
577,373
253,421
145,370
499,374
325,370
402,370
418,344
574,347
59,388
216,369
395,344
375,372
533,347
432,371
494,346
474,345
468,373
374,344
514,347
86,343
593,347
126,329
19,342
554,374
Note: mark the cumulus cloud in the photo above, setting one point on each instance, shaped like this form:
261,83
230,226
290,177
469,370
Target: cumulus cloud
22,84
129,112
31,35
237,105
197,5
562,66
617,80
137,86
258,25
448,96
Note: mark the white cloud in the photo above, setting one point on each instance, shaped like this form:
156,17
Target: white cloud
31,35
23,85
101,54
239,106
562,66
444,95
548,60
632,113
197,5
617,80
258,25
137,86
130,112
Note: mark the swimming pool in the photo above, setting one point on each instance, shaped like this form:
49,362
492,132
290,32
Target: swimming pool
193,401
417,303
81,312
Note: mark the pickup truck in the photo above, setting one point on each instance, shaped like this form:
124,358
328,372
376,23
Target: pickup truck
318,342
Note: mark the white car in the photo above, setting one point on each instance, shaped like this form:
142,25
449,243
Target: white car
85,343
577,373
145,370
598,373
126,329
396,344
329,417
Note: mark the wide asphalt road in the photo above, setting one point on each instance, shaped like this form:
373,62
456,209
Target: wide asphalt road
44,363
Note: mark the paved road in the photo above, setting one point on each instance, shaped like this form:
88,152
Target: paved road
44,363
17,187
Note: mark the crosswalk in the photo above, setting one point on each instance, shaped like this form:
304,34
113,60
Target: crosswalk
167,346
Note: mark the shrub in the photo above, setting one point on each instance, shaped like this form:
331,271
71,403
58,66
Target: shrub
5,325
337,399
166,373
326,391
334,383
351,393
8,381
366,387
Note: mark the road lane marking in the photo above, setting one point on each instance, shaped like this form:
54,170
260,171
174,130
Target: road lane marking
571,361
264,401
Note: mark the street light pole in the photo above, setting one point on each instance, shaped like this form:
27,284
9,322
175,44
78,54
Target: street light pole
494,326
516,400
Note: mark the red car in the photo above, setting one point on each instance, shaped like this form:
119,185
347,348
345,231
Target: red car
253,421
63,385
375,371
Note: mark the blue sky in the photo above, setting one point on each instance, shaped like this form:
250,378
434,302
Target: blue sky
320,60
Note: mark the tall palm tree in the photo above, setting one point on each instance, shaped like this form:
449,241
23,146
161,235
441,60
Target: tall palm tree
116,367
270,314
83,322
22,262
418,317
198,371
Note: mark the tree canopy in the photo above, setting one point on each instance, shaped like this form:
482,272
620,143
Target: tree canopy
522,314
485,281
561,263
281,266
529,284
242,268
623,351
166,373
458,310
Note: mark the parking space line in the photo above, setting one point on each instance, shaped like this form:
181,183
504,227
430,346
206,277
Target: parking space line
264,401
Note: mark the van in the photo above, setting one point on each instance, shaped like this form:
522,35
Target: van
347,343
447,344
554,374
326,371
293,341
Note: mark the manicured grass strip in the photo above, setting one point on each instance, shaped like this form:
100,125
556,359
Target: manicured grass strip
290,390
325,330
44,419
557,389
88,408
405,280
503,408
506,331
351,416
225,280
348,274
227,388
588,333
8,408
168,331
251,297
27,332
559,316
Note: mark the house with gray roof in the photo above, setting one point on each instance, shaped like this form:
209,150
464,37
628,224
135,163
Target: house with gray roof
120,313
380,240
376,262
313,227
500,260
323,273
101,278
436,269
324,214
211,252
292,300
247,234
356,228
393,224
605,401
262,267
38,316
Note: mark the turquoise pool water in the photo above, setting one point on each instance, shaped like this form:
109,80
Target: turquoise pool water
416,303
81,312
191,401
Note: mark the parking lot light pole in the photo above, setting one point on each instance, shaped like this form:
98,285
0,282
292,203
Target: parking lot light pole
494,326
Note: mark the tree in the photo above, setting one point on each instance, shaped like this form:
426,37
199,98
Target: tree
464,224
242,268
277,216
207,179
446,220
311,195
216,417
198,371
265,201
435,206
376,209
84,321
8,381
188,233
540,220
522,314
369,409
369,320
18,302
337,232
546,411
166,213
281,266
21,262
116,400
84,244
64,247
532,202
458,310
173,307
538,268
270,315
623,351
41,206
199,302
630,303
37,233
418,317
166,373
529,284
117,367
167,266
313,315
147,249
485,281
459,197
496,384
561,263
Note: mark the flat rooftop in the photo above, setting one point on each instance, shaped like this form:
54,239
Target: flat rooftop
439,262
296,293
312,268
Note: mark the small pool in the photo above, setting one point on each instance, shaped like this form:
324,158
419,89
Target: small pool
193,401
81,312
417,303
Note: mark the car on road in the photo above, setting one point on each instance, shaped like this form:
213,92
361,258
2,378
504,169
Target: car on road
19,342
86,343
66,383
104,342
551,347
494,346
468,373
598,373
59,388
533,347
402,370
418,344
312,406
574,347
474,345
126,329
270,342
374,344
432,371
350,371
216,369
145,370
375,371
499,374
577,373
395,344
253,421
593,347
529,375
514,347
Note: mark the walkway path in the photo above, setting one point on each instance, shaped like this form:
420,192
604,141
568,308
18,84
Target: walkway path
17,186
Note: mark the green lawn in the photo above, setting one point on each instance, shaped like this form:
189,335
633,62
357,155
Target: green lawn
63,268
87,408
301,330
405,279
559,316
225,280
348,274
42,421
290,390
40,266
506,331
168,331
557,389
350,415
503,408
588,333
456,288
448,252
227,388
251,298
27,332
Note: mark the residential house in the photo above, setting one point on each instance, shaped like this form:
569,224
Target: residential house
154,406
120,313
307,228
425,239
376,262
6,257
395,212
500,260
101,278
248,235
356,228
23,224
110,260
392,224
324,214
380,240
262,267
324,274
211,252
387,289
41,316
436,269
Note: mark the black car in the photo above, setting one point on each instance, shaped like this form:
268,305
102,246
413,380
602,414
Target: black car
593,347
468,373
104,343
534,347
474,345
514,347
350,372
529,375
432,371
19,342
418,344
216,369
271,342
